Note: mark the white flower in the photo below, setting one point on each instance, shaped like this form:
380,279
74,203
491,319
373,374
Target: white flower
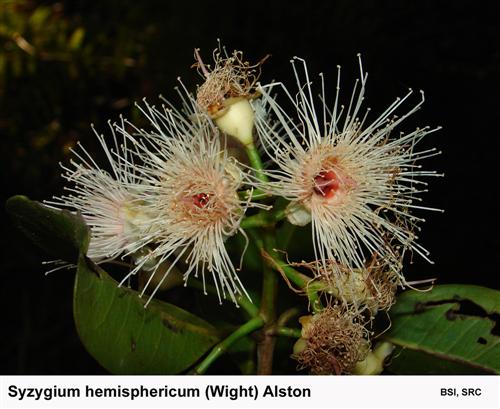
193,196
357,179
110,203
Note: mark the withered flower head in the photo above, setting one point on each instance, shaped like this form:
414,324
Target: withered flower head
332,342
373,286
231,77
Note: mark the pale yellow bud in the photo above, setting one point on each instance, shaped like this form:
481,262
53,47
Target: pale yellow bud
306,321
237,119
373,364
133,217
299,346
298,215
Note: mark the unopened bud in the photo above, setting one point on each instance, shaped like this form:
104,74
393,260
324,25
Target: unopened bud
237,119
135,218
298,214
373,364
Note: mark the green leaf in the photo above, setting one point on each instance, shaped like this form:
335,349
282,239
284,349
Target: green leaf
113,324
126,338
60,233
448,330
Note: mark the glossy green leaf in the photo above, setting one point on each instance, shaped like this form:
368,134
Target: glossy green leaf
127,338
60,233
448,330
113,324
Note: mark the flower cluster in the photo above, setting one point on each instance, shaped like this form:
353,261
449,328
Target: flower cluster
174,193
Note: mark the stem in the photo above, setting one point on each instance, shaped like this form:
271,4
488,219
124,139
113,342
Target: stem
256,162
280,328
269,290
314,300
263,219
287,316
220,348
248,368
265,349
293,275
288,332
247,305
299,279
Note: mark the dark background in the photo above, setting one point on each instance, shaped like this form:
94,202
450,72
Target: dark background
53,85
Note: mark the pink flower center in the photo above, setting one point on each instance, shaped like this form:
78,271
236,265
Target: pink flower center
201,199
326,183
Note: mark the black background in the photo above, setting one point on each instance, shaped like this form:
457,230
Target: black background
449,49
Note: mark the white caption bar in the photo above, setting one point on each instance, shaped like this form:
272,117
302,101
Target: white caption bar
249,391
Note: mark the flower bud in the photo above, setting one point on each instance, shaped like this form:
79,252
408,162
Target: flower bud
226,92
373,364
134,218
237,119
298,215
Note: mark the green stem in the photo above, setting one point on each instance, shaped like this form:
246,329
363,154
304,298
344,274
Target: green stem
314,300
256,162
299,279
263,219
288,332
247,305
248,367
287,316
265,349
222,347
